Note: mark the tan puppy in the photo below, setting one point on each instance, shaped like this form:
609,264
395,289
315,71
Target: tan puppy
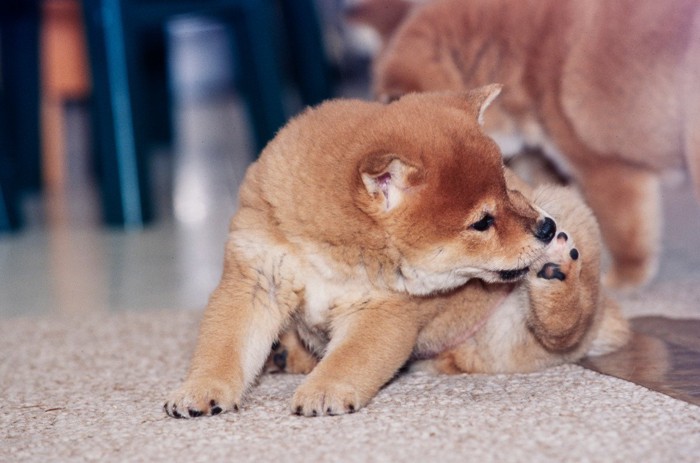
351,217
609,90
557,315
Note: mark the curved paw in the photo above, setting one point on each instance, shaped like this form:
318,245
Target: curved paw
200,398
288,355
331,399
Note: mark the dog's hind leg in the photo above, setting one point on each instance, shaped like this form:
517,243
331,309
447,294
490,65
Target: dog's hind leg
290,355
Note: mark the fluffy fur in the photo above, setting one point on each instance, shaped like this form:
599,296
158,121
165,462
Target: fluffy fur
354,217
609,90
558,314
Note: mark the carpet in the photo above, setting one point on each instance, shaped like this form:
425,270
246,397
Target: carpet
91,388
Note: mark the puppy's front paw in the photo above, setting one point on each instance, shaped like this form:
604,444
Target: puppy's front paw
562,259
201,397
326,398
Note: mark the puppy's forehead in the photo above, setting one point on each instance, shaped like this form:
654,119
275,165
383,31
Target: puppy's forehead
425,129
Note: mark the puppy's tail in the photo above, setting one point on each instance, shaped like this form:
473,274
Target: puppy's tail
613,330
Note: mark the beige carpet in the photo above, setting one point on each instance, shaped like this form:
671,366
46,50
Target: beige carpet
91,388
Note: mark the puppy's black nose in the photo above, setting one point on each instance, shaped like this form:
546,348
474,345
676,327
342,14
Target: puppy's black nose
546,230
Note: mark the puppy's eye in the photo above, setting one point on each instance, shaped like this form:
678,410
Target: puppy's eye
483,224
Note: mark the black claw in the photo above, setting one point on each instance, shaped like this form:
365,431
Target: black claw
194,413
215,409
176,414
298,411
235,407
551,271
314,413
563,236
574,253
351,408
329,411
280,359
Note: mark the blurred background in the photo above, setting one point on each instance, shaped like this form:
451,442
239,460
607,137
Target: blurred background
126,127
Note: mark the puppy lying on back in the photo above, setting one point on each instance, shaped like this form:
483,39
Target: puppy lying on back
609,90
557,314
352,218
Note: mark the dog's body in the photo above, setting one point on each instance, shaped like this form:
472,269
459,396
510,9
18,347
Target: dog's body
557,315
354,216
610,90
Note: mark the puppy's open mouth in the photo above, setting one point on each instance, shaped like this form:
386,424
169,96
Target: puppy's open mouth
512,275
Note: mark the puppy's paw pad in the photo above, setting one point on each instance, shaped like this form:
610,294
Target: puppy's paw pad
561,253
193,402
551,271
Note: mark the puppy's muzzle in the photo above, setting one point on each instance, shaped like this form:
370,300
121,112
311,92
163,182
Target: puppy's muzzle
546,229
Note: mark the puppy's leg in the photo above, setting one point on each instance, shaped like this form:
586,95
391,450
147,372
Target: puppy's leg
562,302
244,315
370,342
627,201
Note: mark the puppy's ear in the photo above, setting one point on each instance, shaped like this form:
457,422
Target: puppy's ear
387,178
479,99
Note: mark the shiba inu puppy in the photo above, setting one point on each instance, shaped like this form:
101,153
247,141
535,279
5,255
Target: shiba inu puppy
557,314
608,90
351,220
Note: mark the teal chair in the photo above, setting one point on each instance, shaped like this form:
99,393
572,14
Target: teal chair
19,107
128,99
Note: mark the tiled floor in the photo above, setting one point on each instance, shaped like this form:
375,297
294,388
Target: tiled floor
64,261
